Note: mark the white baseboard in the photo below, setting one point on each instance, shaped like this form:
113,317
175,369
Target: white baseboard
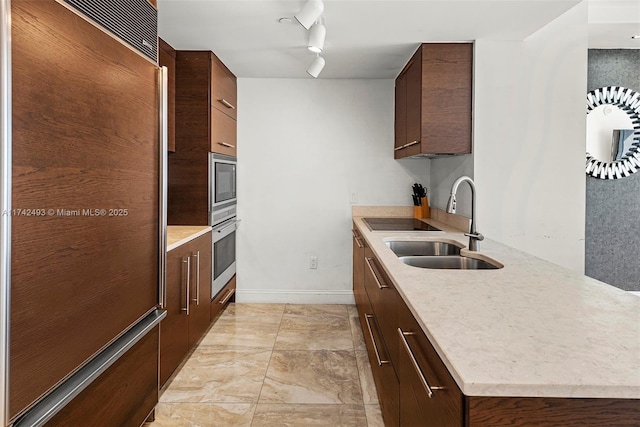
288,296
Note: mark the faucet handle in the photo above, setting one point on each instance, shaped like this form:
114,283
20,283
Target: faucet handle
476,236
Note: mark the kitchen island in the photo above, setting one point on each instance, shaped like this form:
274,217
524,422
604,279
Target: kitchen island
531,329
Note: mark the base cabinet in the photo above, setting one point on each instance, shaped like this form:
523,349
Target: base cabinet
416,389
124,395
188,292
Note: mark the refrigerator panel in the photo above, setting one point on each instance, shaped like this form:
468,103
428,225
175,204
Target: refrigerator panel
85,216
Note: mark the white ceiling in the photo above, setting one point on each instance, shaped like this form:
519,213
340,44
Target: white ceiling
613,22
365,38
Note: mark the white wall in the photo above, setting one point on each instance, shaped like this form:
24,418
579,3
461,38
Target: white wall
529,140
304,146
443,173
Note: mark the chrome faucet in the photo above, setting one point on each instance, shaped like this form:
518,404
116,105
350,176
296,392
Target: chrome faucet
473,235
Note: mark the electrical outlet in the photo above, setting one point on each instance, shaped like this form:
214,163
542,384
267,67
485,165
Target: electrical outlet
354,197
313,262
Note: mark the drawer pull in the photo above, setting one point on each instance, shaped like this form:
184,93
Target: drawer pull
226,103
187,284
197,298
226,144
373,340
357,239
429,389
227,297
411,143
380,284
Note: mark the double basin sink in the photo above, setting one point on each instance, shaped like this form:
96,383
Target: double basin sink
437,255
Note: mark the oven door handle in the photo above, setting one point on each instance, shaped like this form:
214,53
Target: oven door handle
235,223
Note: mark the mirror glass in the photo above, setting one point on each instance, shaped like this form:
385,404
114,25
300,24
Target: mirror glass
613,132
609,133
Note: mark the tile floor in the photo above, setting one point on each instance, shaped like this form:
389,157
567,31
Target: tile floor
275,365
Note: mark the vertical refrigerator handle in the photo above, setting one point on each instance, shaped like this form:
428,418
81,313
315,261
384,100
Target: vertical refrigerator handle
163,92
5,204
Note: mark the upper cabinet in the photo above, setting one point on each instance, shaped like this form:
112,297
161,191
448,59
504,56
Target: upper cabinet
167,58
433,101
224,89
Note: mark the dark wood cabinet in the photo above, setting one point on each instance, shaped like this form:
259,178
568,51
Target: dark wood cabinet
124,395
188,292
429,396
225,295
416,389
80,143
433,115
204,123
167,58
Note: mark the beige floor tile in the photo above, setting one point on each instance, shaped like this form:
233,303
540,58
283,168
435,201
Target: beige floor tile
219,375
315,327
203,415
356,333
369,394
352,310
266,312
249,332
374,416
324,377
278,415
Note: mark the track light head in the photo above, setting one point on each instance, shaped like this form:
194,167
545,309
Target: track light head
316,67
310,12
316,38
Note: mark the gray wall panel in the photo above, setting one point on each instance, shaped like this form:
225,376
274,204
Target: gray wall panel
612,246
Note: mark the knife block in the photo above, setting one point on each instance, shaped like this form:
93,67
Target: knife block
422,211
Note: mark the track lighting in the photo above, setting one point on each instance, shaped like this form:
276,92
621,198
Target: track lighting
316,38
310,12
316,67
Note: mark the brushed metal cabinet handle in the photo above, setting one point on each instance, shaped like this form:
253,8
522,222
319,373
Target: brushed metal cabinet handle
357,239
429,389
380,284
226,103
373,340
197,298
410,144
163,81
187,261
226,144
227,297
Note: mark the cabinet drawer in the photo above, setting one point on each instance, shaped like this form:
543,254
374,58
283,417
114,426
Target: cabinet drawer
223,133
223,89
429,395
384,374
224,296
384,300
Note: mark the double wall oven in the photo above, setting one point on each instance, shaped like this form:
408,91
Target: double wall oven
222,216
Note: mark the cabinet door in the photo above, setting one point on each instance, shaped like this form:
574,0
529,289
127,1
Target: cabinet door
429,396
359,292
414,105
447,73
174,339
167,58
384,375
124,395
223,133
400,126
384,300
200,293
223,89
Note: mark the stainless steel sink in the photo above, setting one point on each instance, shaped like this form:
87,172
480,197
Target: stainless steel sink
449,262
422,248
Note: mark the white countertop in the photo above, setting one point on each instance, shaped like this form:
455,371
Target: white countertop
178,235
532,328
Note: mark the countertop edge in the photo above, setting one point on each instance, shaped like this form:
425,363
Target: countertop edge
195,235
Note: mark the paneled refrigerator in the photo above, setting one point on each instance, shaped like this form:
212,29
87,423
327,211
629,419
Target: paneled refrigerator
82,244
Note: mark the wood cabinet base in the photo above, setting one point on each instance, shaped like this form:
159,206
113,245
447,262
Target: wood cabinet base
124,395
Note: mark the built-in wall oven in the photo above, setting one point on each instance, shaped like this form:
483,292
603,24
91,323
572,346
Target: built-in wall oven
222,216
